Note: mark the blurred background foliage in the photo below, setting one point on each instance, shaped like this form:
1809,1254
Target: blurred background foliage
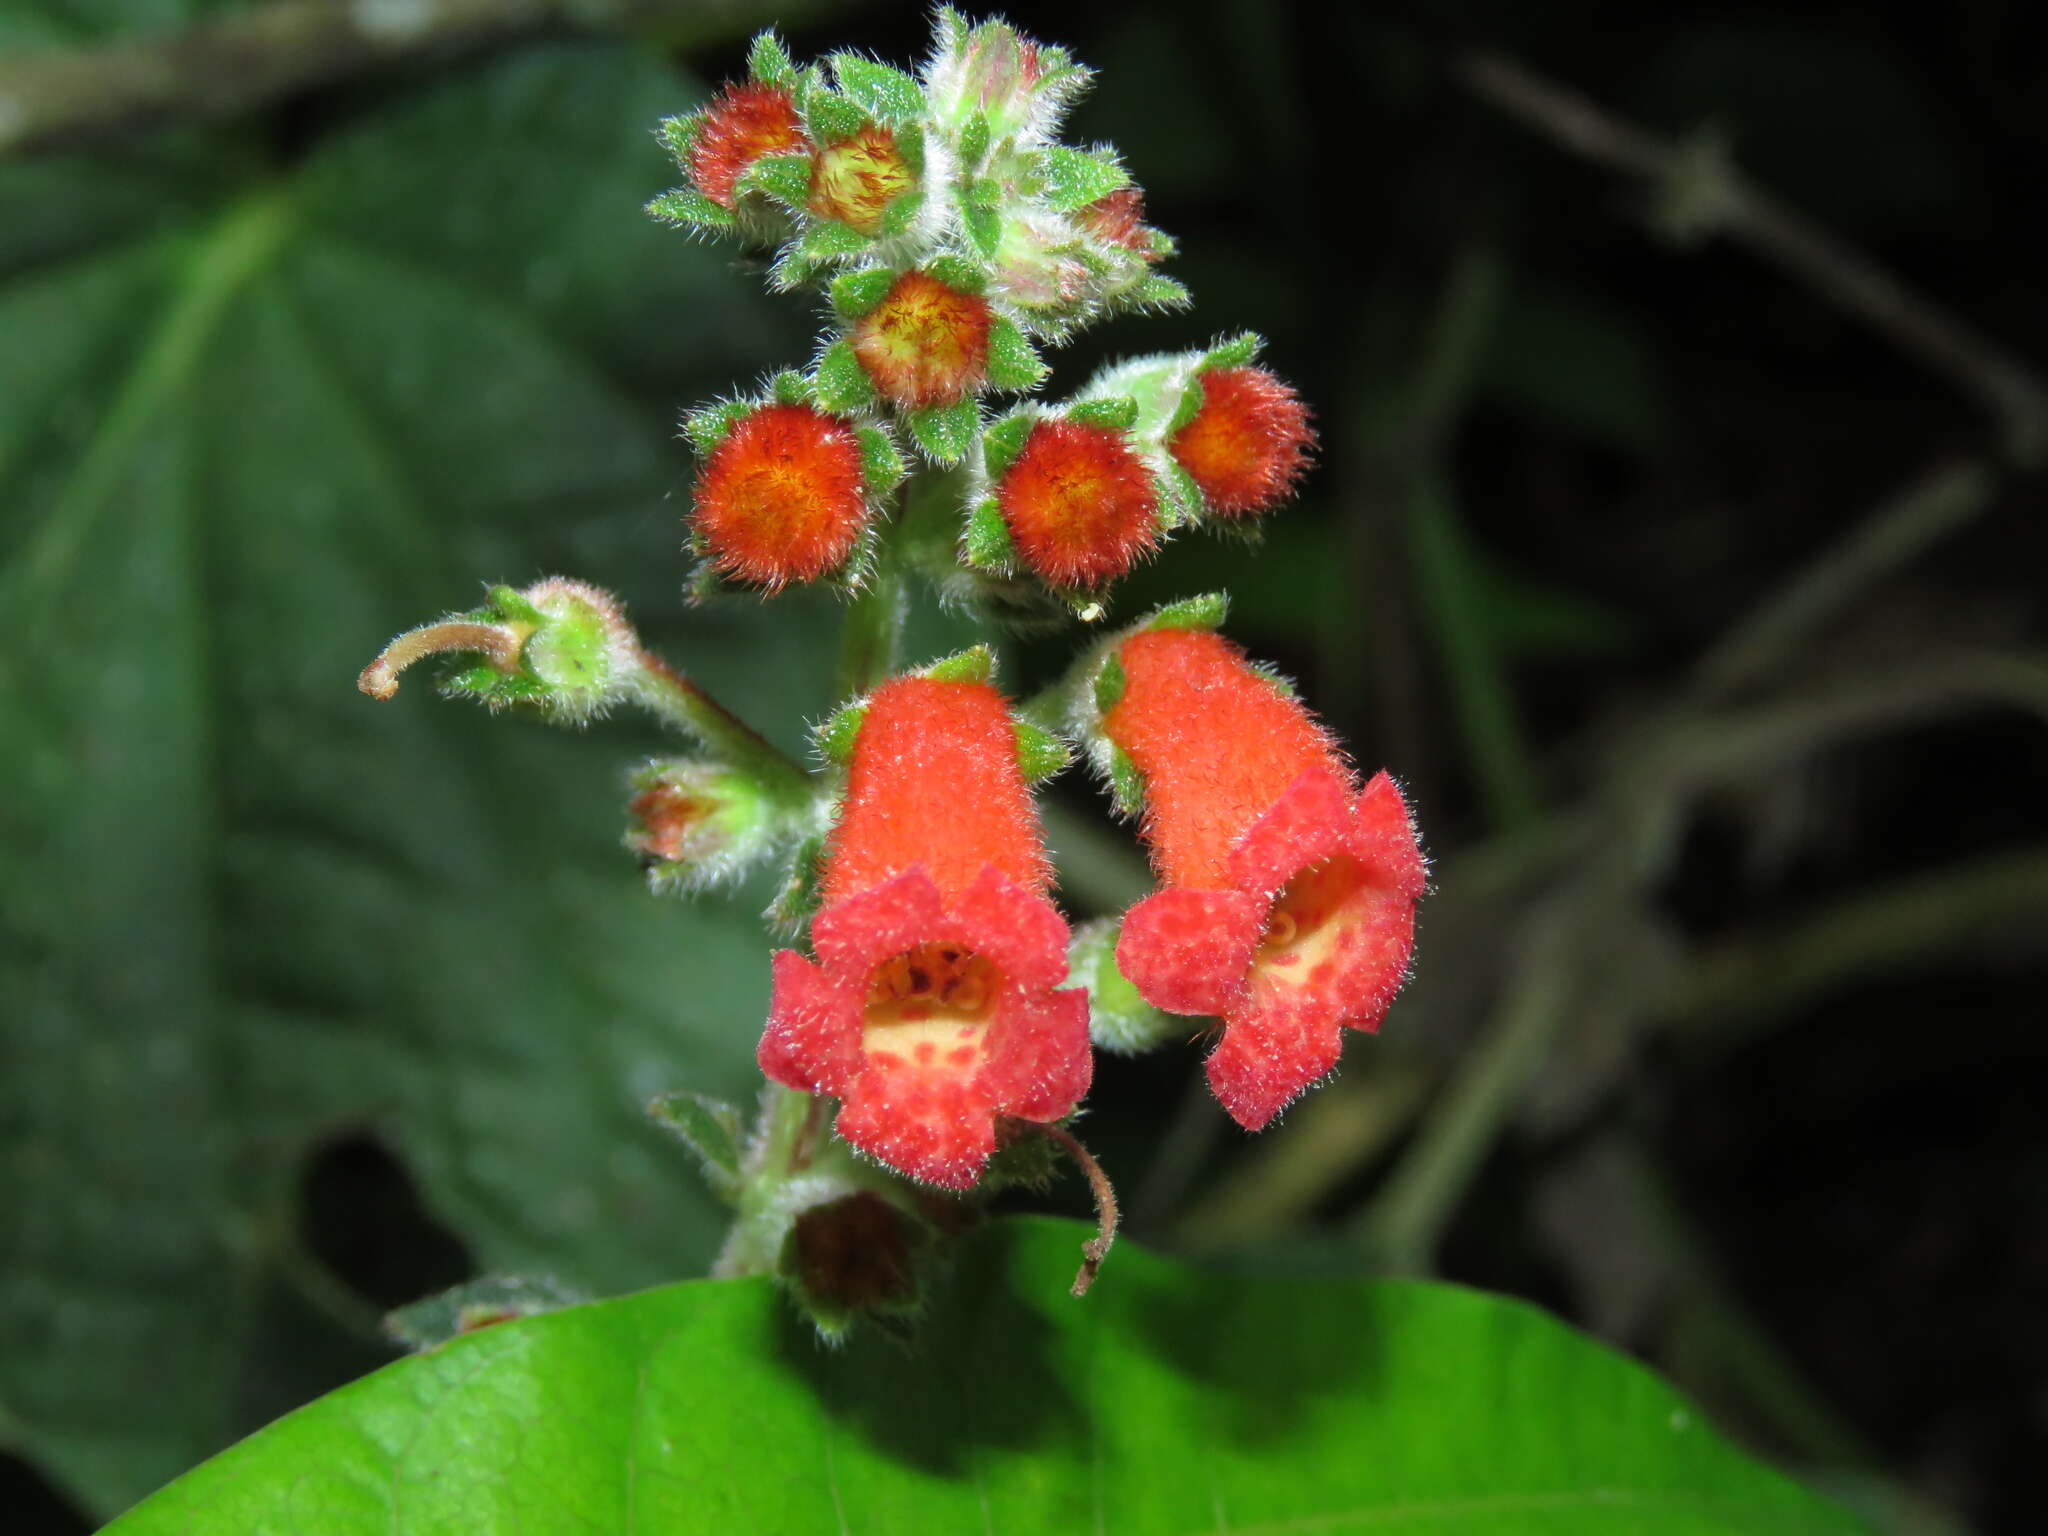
1685,565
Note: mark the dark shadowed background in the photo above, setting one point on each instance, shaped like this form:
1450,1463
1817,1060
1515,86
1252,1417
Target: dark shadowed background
1677,538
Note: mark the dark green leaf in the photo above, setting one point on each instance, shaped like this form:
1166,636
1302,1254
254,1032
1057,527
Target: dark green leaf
245,908
1170,1400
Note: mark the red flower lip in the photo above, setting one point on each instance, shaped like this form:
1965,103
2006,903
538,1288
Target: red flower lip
929,1019
1311,936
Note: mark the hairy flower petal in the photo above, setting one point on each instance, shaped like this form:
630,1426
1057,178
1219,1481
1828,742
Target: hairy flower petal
1262,1064
925,343
1310,820
1187,950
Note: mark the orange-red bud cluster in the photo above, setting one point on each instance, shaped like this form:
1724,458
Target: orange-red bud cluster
782,497
1079,503
1248,444
745,121
926,343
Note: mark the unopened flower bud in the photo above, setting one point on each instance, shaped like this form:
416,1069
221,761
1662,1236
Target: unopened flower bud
925,343
696,823
1248,444
1079,503
744,121
855,179
782,497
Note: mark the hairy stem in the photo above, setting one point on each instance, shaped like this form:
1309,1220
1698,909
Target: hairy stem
1096,1249
1718,198
498,644
667,693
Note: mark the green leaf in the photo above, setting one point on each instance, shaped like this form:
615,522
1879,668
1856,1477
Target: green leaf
973,144
1074,178
945,432
886,94
248,910
1169,1400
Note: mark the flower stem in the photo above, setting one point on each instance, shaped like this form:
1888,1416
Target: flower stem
871,642
1096,1249
672,697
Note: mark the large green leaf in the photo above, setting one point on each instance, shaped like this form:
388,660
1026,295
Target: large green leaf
248,431
1170,1400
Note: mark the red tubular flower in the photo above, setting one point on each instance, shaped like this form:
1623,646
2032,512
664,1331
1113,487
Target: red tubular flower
925,343
1079,503
934,1004
781,498
744,122
1288,907
855,179
1248,444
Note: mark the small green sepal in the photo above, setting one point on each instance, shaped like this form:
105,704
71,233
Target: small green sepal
976,664
855,293
972,146
1235,352
986,544
1126,784
1119,413
901,213
768,61
1206,611
784,178
881,464
843,386
705,429
836,734
1109,685
1013,363
831,116
1003,439
1119,1019
945,432
1040,754
958,273
1074,178
791,388
691,209
886,94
